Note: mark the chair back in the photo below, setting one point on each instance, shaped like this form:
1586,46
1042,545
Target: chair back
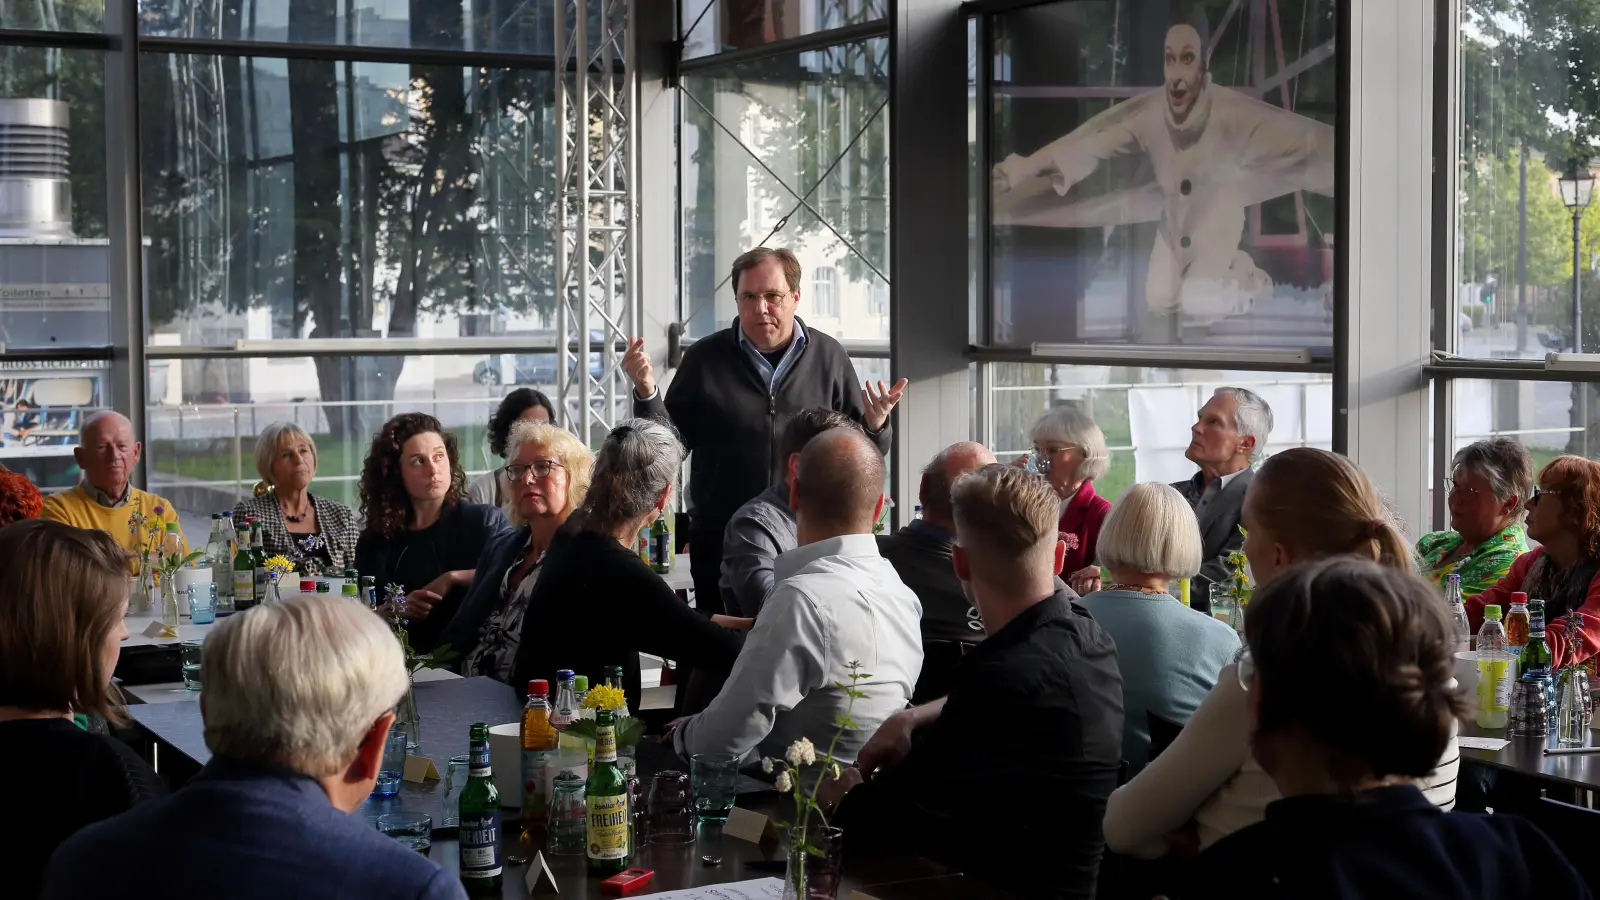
1575,830
1163,731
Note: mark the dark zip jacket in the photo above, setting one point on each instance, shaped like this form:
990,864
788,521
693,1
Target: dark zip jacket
732,424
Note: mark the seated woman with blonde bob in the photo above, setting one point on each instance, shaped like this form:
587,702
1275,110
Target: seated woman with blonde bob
1302,505
295,522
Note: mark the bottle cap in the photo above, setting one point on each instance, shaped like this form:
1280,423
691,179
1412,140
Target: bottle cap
1492,611
580,683
564,675
172,528
227,514
1518,597
539,687
307,585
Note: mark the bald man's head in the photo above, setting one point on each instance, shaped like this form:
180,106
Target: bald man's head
838,484
951,463
107,451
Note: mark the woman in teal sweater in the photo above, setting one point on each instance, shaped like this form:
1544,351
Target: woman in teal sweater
1169,654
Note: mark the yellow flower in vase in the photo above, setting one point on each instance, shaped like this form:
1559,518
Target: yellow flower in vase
604,696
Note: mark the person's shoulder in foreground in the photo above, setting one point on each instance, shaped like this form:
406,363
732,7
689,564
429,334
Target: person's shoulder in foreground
1387,842
254,836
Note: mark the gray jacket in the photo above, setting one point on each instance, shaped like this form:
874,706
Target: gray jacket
761,530
1219,532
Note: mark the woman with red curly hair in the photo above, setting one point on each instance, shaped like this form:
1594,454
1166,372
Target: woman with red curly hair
1564,517
19,499
422,532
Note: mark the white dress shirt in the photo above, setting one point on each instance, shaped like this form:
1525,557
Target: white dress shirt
835,601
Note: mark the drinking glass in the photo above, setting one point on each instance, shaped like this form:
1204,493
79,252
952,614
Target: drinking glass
189,653
394,764
715,776
568,817
203,603
455,779
671,813
1224,608
413,830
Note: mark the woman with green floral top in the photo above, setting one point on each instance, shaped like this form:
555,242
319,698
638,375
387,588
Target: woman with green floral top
1489,483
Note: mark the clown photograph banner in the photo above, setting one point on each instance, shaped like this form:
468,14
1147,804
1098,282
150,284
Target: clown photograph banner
1163,173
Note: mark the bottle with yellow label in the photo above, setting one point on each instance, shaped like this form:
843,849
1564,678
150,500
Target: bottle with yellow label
606,795
1494,671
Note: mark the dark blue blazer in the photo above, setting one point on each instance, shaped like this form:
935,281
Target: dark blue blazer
484,595
243,833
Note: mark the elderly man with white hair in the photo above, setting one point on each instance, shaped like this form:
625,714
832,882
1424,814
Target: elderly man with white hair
1069,450
298,702
1169,654
1228,437
105,500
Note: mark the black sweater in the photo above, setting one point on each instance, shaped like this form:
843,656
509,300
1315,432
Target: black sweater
63,779
416,558
732,425
598,604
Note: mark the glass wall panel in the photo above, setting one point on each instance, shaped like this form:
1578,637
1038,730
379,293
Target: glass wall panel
492,25
1550,418
1163,180
790,151
1145,414
715,26
52,15
1527,116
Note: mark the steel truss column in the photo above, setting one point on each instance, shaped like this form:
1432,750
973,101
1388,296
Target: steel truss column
596,217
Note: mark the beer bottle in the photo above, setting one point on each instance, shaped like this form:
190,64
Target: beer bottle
1536,659
244,573
660,546
614,679
258,558
606,795
480,821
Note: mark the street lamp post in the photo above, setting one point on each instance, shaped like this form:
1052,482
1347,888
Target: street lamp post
1577,189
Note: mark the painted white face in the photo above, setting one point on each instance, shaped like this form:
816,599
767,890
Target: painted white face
1184,70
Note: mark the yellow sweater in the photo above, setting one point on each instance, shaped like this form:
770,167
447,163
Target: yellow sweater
78,509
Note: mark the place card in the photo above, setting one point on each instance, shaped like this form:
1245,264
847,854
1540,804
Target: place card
1482,743
748,826
761,889
538,869
419,769
154,629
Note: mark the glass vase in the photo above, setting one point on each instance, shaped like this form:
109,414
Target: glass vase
143,586
406,718
169,605
813,874
272,596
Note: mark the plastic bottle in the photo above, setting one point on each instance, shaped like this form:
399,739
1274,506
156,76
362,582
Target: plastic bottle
1494,671
1518,627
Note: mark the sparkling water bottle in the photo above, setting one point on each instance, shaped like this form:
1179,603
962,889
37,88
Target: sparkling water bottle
1460,626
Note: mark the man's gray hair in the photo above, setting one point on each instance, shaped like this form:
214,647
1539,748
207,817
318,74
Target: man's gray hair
1254,417
1070,425
1505,464
297,684
639,458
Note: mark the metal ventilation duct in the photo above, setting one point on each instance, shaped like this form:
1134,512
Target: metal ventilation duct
35,197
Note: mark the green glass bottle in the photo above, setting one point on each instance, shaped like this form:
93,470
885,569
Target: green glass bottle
244,573
606,794
661,546
480,821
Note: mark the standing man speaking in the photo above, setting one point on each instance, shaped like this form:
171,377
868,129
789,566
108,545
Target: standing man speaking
736,390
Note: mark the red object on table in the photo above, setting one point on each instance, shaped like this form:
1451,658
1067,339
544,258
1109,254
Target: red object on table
627,882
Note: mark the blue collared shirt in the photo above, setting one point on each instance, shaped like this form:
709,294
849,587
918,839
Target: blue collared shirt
835,601
769,373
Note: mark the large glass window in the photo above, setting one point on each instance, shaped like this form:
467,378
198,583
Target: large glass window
1550,418
715,26
1163,180
1145,414
789,151
52,15
524,27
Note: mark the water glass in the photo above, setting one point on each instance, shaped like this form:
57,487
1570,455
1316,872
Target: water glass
203,603
189,654
1224,608
455,780
394,764
715,778
671,813
568,819
413,830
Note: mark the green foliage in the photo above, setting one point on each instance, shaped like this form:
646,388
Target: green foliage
629,730
1489,224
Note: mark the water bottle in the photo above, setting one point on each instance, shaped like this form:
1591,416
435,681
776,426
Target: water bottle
1460,626
1494,671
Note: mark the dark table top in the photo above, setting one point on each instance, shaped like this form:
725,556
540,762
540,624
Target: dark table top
1525,756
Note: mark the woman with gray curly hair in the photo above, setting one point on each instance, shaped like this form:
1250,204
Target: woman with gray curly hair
1489,483
597,603
1070,451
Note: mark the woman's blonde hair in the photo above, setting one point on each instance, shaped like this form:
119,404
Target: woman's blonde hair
1318,504
572,454
1151,531
271,442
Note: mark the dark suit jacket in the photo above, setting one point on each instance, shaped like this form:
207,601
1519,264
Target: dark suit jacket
242,832
1219,532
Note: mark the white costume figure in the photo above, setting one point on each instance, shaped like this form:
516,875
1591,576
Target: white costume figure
1213,151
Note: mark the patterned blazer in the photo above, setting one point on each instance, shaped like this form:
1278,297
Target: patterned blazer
337,523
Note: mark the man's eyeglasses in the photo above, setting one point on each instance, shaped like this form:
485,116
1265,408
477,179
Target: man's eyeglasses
772,298
1245,667
541,468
